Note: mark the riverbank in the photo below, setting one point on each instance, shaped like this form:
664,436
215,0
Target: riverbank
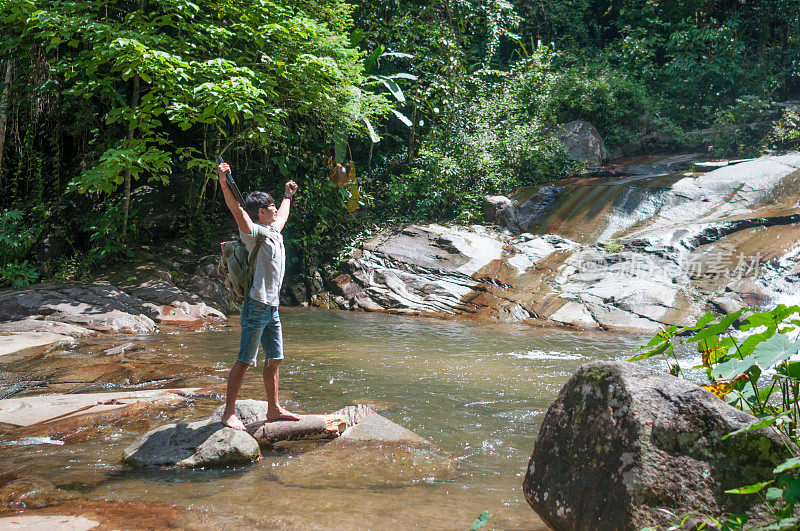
478,392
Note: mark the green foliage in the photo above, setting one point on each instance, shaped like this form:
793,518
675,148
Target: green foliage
159,88
785,134
15,236
153,91
19,274
736,351
677,522
614,101
105,229
739,129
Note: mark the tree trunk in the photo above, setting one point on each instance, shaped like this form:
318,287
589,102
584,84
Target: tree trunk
411,135
307,428
4,114
126,201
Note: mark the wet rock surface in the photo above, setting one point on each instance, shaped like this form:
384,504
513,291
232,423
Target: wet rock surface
21,341
376,452
47,408
192,444
630,253
52,523
621,442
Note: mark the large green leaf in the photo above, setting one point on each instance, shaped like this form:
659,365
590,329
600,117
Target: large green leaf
775,350
402,117
789,464
372,134
750,489
769,420
373,57
717,328
770,318
707,318
655,351
792,491
393,87
732,367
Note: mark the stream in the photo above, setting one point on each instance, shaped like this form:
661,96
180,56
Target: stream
477,391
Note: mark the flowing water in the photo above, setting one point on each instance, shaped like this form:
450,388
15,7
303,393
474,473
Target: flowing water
477,391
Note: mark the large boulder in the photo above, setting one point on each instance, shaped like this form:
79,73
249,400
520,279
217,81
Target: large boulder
621,443
582,142
500,210
193,444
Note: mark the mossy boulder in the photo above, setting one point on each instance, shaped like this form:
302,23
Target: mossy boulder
621,443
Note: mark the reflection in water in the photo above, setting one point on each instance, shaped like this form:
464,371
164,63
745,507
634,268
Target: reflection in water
477,392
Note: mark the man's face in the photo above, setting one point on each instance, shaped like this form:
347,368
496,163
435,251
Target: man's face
267,216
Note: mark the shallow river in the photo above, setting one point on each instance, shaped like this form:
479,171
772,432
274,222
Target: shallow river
477,391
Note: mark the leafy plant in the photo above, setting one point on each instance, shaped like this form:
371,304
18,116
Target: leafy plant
738,130
747,357
19,274
15,236
785,134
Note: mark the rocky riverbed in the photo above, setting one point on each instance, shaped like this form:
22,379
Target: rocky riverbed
660,245
652,244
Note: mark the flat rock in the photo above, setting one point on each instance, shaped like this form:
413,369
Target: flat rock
37,324
12,343
174,304
51,523
99,307
623,443
374,453
45,408
573,313
193,444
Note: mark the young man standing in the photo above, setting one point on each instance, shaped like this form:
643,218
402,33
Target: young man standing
260,320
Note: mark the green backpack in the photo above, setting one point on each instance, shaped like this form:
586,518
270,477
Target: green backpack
238,266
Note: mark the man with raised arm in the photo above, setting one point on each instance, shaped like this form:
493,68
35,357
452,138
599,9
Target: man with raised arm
260,320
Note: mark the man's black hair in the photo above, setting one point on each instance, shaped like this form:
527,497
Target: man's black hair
256,200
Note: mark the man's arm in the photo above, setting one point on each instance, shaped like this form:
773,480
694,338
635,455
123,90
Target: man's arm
243,220
286,205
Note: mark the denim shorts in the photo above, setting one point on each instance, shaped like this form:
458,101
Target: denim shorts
262,325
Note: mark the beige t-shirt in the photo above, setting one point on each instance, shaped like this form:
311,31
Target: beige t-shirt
269,265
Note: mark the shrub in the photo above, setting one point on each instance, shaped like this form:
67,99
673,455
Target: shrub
785,134
739,130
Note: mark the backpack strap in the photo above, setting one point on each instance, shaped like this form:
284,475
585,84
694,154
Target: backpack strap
251,269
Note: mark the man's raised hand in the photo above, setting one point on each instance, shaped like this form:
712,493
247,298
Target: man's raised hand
223,169
290,188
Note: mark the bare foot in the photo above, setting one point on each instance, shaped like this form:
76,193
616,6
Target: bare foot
281,414
232,421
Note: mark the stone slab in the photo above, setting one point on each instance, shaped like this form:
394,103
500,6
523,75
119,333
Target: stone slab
36,409
12,343
50,523
32,324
